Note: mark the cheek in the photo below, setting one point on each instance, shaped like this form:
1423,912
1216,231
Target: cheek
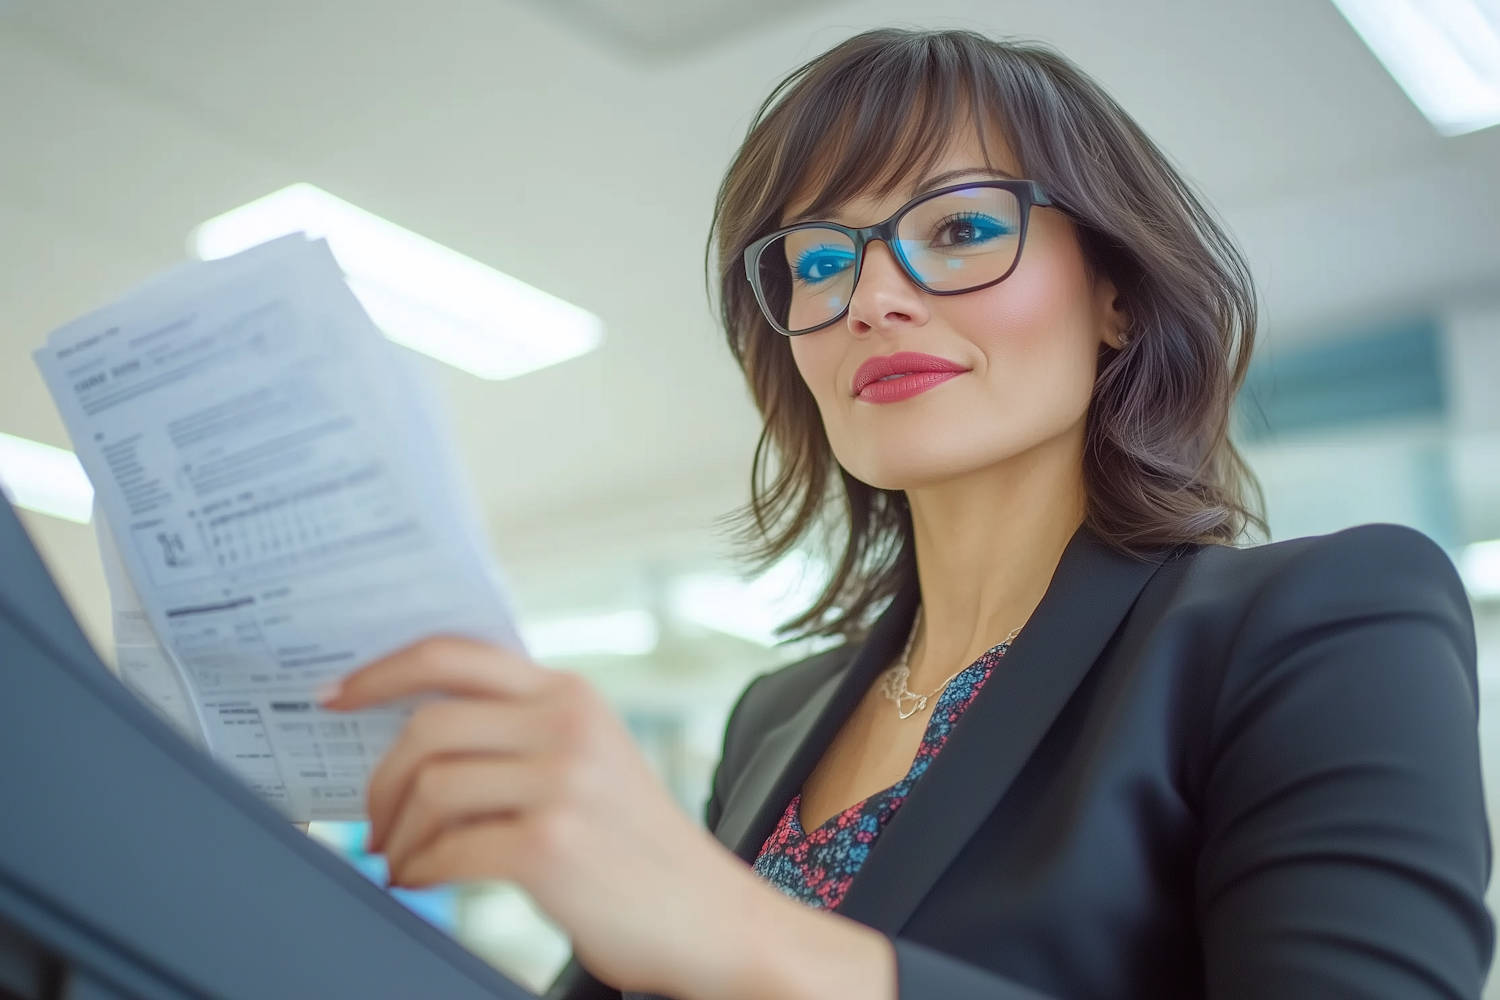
1038,334
818,357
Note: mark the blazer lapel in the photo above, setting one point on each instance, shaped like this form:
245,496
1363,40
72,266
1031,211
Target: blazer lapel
1092,590
789,752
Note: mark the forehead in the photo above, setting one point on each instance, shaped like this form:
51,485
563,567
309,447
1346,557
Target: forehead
828,192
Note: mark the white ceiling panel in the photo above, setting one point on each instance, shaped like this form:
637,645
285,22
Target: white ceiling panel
655,29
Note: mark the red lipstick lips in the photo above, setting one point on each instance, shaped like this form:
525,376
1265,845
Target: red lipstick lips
891,378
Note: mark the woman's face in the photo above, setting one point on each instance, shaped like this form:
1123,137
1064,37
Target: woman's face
1025,350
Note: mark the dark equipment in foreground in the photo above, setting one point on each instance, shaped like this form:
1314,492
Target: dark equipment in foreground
133,868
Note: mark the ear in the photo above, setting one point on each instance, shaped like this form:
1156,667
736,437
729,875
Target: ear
1114,322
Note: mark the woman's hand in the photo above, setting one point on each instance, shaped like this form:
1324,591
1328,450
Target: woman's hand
525,774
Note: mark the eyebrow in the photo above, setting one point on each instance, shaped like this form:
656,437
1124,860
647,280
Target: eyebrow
939,180
929,184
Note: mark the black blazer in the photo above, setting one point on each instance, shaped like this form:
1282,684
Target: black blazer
1225,773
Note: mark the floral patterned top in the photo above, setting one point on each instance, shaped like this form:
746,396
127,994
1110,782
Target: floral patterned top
818,867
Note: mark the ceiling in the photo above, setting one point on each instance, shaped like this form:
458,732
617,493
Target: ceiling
578,145
652,30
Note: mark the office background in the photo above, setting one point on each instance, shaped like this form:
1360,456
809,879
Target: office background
577,145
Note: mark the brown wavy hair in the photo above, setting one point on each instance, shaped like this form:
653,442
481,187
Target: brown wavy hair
1160,470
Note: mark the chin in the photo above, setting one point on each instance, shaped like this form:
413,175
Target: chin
915,467
921,457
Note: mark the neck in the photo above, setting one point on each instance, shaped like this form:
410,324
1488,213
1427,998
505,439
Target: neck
987,545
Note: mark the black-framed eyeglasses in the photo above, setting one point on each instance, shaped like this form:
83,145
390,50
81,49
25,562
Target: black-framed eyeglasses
949,241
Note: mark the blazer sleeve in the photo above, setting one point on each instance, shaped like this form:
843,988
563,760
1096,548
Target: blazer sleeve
1345,846
1344,850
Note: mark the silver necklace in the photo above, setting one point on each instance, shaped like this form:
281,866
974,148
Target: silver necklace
893,686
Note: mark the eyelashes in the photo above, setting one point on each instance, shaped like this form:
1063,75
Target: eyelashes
816,265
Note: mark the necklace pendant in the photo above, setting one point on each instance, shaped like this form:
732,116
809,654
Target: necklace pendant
918,703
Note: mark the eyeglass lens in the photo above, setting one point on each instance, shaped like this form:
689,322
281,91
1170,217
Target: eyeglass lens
950,243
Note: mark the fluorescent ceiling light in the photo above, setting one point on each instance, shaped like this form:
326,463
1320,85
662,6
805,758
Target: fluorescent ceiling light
750,609
621,633
420,293
1444,53
45,479
1479,565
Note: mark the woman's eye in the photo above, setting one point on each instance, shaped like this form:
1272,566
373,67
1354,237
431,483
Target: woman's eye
970,231
821,264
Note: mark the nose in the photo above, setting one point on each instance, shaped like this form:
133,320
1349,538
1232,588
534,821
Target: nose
885,298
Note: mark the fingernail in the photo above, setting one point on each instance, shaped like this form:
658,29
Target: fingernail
329,692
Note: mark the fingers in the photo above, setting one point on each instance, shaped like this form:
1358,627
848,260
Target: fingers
447,729
448,666
449,795
505,742
489,849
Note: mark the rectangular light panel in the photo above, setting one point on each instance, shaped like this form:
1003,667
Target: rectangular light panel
750,609
620,633
1479,564
45,479
422,294
1444,53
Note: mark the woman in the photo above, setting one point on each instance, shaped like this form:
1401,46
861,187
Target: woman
1076,745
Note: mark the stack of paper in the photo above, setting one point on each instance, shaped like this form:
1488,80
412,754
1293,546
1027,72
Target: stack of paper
284,505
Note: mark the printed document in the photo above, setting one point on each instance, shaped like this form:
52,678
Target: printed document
279,506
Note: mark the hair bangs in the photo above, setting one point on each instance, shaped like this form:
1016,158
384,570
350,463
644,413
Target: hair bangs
893,128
